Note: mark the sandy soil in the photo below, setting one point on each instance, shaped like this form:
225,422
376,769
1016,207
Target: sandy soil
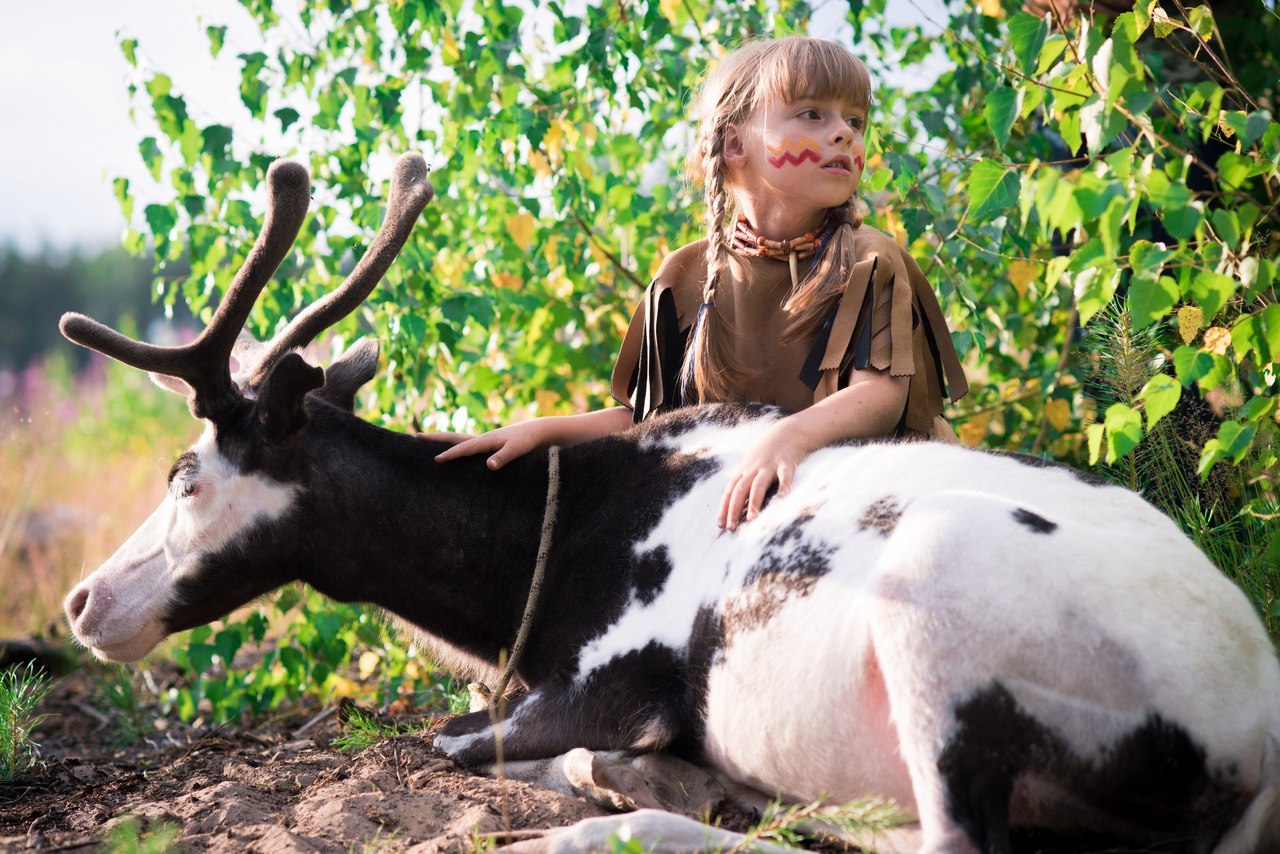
279,787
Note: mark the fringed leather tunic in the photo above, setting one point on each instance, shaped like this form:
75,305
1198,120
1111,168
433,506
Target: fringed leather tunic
886,290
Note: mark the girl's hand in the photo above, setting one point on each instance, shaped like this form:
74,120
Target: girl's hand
773,459
505,443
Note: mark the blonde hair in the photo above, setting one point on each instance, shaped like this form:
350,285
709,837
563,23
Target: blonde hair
748,79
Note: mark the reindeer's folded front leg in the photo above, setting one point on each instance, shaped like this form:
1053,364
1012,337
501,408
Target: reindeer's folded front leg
550,721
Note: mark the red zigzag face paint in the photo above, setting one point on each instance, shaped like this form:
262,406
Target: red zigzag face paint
793,152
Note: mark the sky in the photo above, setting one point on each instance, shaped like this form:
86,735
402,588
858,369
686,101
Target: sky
67,133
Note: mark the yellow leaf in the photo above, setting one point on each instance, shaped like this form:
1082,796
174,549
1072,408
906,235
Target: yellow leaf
1190,319
894,226
1217,339
545,400
1022,274
520,227
550,248
992,8
508,280
368,663
449,48
553,139
669,9
1058,411
974,430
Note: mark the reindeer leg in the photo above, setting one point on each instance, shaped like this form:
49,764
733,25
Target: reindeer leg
548,722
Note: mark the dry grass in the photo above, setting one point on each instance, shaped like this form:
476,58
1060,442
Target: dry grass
82,463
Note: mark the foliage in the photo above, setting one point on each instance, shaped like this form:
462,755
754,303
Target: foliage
317,647
128,837
361,730
117,694
1041,169
21,690
792,824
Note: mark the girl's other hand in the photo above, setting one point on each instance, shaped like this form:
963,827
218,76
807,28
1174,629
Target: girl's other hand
771,460
504,444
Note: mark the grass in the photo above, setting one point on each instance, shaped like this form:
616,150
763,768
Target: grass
118,696
361,731
21,691
128,837
794,824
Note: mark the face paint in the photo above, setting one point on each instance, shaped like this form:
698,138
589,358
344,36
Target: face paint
793,152
859,154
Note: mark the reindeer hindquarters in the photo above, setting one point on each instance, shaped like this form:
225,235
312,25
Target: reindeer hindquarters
1045,703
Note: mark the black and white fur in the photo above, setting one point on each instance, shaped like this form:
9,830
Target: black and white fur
987,640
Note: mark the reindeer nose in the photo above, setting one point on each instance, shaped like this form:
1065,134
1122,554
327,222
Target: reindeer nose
76,602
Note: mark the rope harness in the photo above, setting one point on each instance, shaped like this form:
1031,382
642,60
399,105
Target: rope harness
539,571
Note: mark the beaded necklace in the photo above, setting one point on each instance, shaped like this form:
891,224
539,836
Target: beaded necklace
747,241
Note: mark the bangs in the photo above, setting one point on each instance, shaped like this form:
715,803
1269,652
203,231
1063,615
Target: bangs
798,67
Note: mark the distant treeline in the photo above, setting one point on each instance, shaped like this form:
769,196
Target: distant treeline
36,288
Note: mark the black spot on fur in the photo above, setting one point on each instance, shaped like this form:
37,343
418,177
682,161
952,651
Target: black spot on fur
788,552
1042,463
1152,784
1035,522
650,573
881,516
790,565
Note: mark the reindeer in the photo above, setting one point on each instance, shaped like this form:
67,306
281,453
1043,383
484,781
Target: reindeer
990,640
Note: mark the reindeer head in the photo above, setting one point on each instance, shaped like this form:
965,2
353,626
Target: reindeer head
245,473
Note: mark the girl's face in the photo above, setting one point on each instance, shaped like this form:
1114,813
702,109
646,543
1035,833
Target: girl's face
807,153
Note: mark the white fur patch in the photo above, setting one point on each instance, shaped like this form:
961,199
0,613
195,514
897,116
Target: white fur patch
123,617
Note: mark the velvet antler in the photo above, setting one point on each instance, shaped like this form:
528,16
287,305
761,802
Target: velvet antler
204,363
410,193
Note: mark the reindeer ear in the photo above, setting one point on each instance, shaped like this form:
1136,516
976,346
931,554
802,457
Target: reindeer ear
280,409
177,385
355,367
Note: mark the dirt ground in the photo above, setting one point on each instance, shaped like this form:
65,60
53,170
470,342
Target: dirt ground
279,787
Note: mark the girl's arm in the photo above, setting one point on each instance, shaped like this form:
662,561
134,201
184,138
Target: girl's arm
515,440
870,405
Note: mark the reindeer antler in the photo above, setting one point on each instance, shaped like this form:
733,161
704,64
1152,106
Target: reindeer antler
410,193
204,363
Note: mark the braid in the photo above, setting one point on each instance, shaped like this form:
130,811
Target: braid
711,367
825,281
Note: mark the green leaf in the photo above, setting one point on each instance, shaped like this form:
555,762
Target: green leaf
1235,169
1232,443
1151,298
1147,258
130,49
1160,395
287,116
161,219
1201,20
1258,408
1249,127
217,35
1027,34
1124,430
1259,333
1094,288
1211,292
151,155
121,188
992,188
1000,110
1194,365
1095,433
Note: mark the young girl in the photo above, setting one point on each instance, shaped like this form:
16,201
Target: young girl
789,300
